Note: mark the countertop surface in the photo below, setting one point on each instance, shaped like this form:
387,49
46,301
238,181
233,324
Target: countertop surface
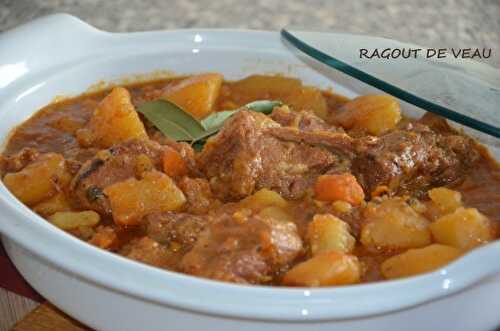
431,23
445,23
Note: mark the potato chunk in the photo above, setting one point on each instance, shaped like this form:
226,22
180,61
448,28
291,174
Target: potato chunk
465,228
57,203
113,121
276,213
39,180
325,269
393,224
308,98
257,87
445,199
196,94
420,260
264,198
288,90
329,233
132,199
68,220
375,114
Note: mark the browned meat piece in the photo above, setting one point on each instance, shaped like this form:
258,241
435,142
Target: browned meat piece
243,249
302,120
148,251
110,166
16,162
245,156
199,196
413,159
338,143
437,123
181,228
253,152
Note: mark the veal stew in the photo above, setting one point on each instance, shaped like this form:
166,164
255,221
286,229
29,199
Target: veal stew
322,191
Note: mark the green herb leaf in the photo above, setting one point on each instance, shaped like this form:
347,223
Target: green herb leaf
216,120
172,121
263,106
179,125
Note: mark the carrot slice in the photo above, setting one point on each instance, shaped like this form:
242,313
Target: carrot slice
173,163
343,187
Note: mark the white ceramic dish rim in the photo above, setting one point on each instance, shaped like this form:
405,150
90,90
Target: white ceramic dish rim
201,295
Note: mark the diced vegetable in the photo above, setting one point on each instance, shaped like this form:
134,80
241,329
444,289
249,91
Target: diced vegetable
445,199
113,121
105,237
342,187
143,164
420,260
417,206
393,224
341,206
264,198
277,213
375,114
196,94
286,89
257,87
308,98
326,269
39,180
465,228
173,163
57,203
329,233
132,199
83,232
68,220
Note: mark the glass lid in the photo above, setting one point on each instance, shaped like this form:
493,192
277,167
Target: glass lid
446,82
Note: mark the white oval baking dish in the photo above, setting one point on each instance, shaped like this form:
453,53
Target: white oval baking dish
60,54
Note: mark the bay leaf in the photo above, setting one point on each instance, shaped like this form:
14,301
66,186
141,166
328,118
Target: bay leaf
177,124
172,121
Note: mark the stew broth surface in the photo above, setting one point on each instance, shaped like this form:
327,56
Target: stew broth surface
254,206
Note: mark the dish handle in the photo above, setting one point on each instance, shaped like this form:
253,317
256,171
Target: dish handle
46,42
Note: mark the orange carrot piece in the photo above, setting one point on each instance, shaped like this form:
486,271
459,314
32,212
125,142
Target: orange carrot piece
173,163
105,237
343,187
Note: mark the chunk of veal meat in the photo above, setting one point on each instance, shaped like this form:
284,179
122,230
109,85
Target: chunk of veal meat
413,159
243,249
245,156
169,227
148,251
253,152
110,166
199,196
303,120
16,162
